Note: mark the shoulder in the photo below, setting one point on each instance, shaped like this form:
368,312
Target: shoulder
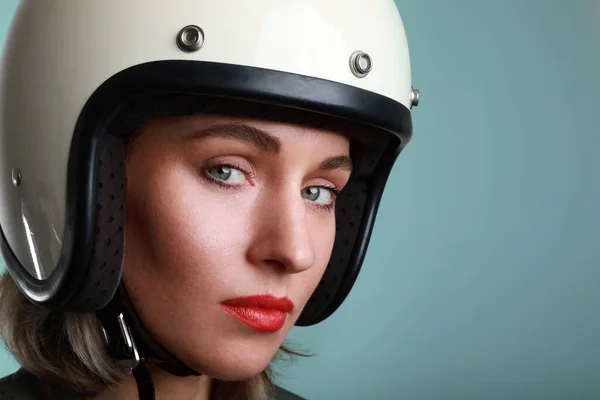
20,386
23,385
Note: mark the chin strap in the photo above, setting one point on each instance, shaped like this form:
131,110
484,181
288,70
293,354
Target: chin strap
131,345
144,381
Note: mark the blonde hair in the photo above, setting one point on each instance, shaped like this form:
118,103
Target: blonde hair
66,350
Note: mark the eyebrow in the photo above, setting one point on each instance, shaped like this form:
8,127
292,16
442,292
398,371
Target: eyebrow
264,141
338,162
254,136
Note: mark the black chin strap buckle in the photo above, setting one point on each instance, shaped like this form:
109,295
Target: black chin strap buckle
122,348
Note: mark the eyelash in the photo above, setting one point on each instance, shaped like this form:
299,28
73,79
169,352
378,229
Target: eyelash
327,207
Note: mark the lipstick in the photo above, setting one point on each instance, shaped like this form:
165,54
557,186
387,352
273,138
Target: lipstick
264,313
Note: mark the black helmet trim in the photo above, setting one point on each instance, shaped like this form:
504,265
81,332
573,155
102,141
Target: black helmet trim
81,280
344,266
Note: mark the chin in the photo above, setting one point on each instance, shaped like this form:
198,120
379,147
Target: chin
235,364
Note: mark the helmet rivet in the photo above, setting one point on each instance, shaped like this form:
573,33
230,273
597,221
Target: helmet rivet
360,64
16,177
414,97
190,38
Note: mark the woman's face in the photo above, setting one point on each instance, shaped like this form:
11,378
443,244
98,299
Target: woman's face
220,209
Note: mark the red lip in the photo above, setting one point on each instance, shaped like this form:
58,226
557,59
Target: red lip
265,313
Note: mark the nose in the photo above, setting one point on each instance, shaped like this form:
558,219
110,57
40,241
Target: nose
282,235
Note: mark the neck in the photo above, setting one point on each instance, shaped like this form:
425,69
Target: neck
166,386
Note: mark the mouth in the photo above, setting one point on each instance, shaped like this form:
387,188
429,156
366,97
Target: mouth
264,313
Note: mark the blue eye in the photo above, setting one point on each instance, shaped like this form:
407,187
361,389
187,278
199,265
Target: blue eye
227,174
323,196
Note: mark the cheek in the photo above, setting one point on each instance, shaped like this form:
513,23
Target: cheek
182,239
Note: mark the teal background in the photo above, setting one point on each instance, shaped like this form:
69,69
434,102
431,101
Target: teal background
482,280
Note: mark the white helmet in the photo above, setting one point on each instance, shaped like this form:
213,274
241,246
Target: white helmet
70,68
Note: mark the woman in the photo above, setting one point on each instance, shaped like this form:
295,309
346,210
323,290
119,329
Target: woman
179,199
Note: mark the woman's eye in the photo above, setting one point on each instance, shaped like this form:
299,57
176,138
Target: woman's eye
319,194
227,174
